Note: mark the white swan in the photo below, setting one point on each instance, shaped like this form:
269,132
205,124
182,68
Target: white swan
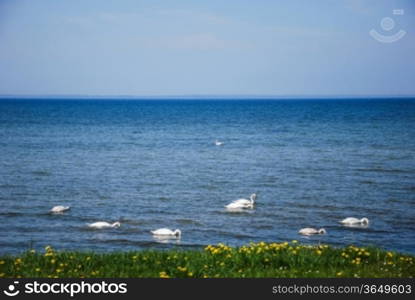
355,221
218,143
167,232
101,225
59,209
242,203
311,231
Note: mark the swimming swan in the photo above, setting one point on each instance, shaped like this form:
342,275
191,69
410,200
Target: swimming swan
311,231
355,221
218,143
167,232
101,225
242,203
59,209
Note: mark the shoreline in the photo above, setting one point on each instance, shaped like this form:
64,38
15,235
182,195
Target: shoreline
255,260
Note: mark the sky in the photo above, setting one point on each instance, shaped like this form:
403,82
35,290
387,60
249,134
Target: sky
181,47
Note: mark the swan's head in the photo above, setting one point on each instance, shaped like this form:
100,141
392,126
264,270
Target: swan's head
364,221
253,197
178,233
116,224
322,231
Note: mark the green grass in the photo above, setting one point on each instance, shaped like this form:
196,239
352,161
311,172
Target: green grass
253,260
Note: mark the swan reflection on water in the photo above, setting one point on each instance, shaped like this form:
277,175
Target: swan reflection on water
165,239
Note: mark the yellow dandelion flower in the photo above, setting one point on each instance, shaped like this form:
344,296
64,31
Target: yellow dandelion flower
37,269
164,275
339,273
389,254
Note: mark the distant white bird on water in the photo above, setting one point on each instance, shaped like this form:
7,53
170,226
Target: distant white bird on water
59,209
166,232
312,231
218,143
102,225
242,203
355,221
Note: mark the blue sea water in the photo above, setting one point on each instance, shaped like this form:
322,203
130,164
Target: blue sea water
153,163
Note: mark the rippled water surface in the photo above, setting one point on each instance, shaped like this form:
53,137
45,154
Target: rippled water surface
152,164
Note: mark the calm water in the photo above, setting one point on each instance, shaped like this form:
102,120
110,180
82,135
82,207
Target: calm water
152,164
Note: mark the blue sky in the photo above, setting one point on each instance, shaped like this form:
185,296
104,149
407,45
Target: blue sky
157,48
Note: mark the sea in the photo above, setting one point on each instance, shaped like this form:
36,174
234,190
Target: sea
153,163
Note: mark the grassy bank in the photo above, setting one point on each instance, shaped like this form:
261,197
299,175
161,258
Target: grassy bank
253,260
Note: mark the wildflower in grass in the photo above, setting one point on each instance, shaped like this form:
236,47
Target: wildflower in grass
18,261
389,254
222,264
37,269
32,251
2,274
1,262
52,261
318,252
163,275
294,241
339,273
182,269
190,274
134,257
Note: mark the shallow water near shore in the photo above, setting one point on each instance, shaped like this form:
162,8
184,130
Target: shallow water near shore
153,163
